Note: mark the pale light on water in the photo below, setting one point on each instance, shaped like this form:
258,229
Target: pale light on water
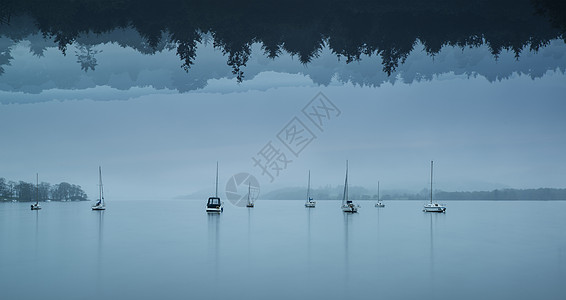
282,250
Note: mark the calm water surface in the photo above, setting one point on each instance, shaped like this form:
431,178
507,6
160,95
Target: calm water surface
281,250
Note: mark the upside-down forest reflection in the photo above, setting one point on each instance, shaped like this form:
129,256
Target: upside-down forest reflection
385,32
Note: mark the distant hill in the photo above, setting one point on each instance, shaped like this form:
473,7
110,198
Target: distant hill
505,194
361,193
323,193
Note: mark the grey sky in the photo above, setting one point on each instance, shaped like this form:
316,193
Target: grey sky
481,134
487,124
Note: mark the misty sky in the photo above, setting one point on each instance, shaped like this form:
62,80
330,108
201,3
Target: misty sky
483,132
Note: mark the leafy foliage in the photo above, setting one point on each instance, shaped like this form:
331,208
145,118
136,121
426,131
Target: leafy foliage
388,29
25,191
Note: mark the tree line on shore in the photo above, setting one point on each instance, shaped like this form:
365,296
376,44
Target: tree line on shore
27,192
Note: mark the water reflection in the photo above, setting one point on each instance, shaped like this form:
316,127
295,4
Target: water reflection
433,220
249,254
309,212
431,250
99,262
213,241
250,213
36,234
377,237
378,282
348,221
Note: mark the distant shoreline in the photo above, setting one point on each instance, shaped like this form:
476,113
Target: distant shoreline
370,200
32,201
363,194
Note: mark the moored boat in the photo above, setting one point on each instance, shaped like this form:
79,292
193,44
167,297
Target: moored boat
433,207
347,204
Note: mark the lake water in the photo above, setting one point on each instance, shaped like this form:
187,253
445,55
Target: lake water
281,250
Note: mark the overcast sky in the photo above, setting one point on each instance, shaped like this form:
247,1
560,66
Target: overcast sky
159,144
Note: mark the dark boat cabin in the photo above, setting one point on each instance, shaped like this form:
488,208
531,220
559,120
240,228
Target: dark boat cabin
213,202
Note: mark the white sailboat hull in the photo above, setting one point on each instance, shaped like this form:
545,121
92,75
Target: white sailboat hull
310,204
434,207
350,208
379,204
214,209
35,207
98,207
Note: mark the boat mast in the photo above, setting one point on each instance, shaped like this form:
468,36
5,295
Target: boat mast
100,188
345,197
216,192
249,191
378,191
309,187
36,188
431,181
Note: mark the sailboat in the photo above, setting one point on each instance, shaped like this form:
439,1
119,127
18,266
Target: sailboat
100,203
379,203
250,201
348,205
433,207
309,202
36,206
214,205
